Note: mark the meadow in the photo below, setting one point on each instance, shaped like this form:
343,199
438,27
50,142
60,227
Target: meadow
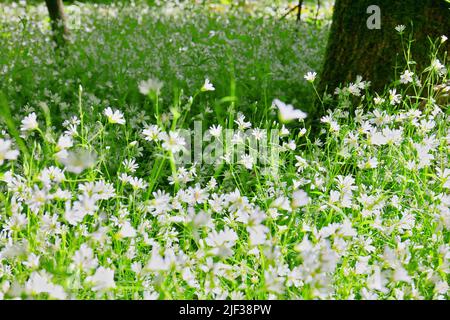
167,153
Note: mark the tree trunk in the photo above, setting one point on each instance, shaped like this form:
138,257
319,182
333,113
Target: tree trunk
299,12
58,21
353,49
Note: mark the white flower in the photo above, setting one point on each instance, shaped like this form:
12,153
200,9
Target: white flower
441,287
102,280
301,163
334,126
79,160
61,155
287,111
346,184
284,131
393,136
152,133
72,215
215,131
137,183
50,174
362,265
443,39
377,100
125,178
62,195
150,85
114,116
247,161
291,145
84,258
172,142
157,262
38,198
400,28
310,76
126,230
257,234
242,124
437,66
64,142
354,89
406,77
85,205
371,163
221,242
394,98
6,153
400,274
29,123
304,246
32,261
208,86
346,229
299,199
160,204
377,281
444,175
281,203
39,282
196,195
16,222
130,165
302,132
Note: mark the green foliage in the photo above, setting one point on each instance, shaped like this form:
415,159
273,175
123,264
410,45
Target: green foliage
110,54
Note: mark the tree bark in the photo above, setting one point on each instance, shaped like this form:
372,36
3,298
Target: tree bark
299,12
58,21
353,49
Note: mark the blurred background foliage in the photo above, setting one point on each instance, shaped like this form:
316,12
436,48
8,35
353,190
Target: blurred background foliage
248,49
